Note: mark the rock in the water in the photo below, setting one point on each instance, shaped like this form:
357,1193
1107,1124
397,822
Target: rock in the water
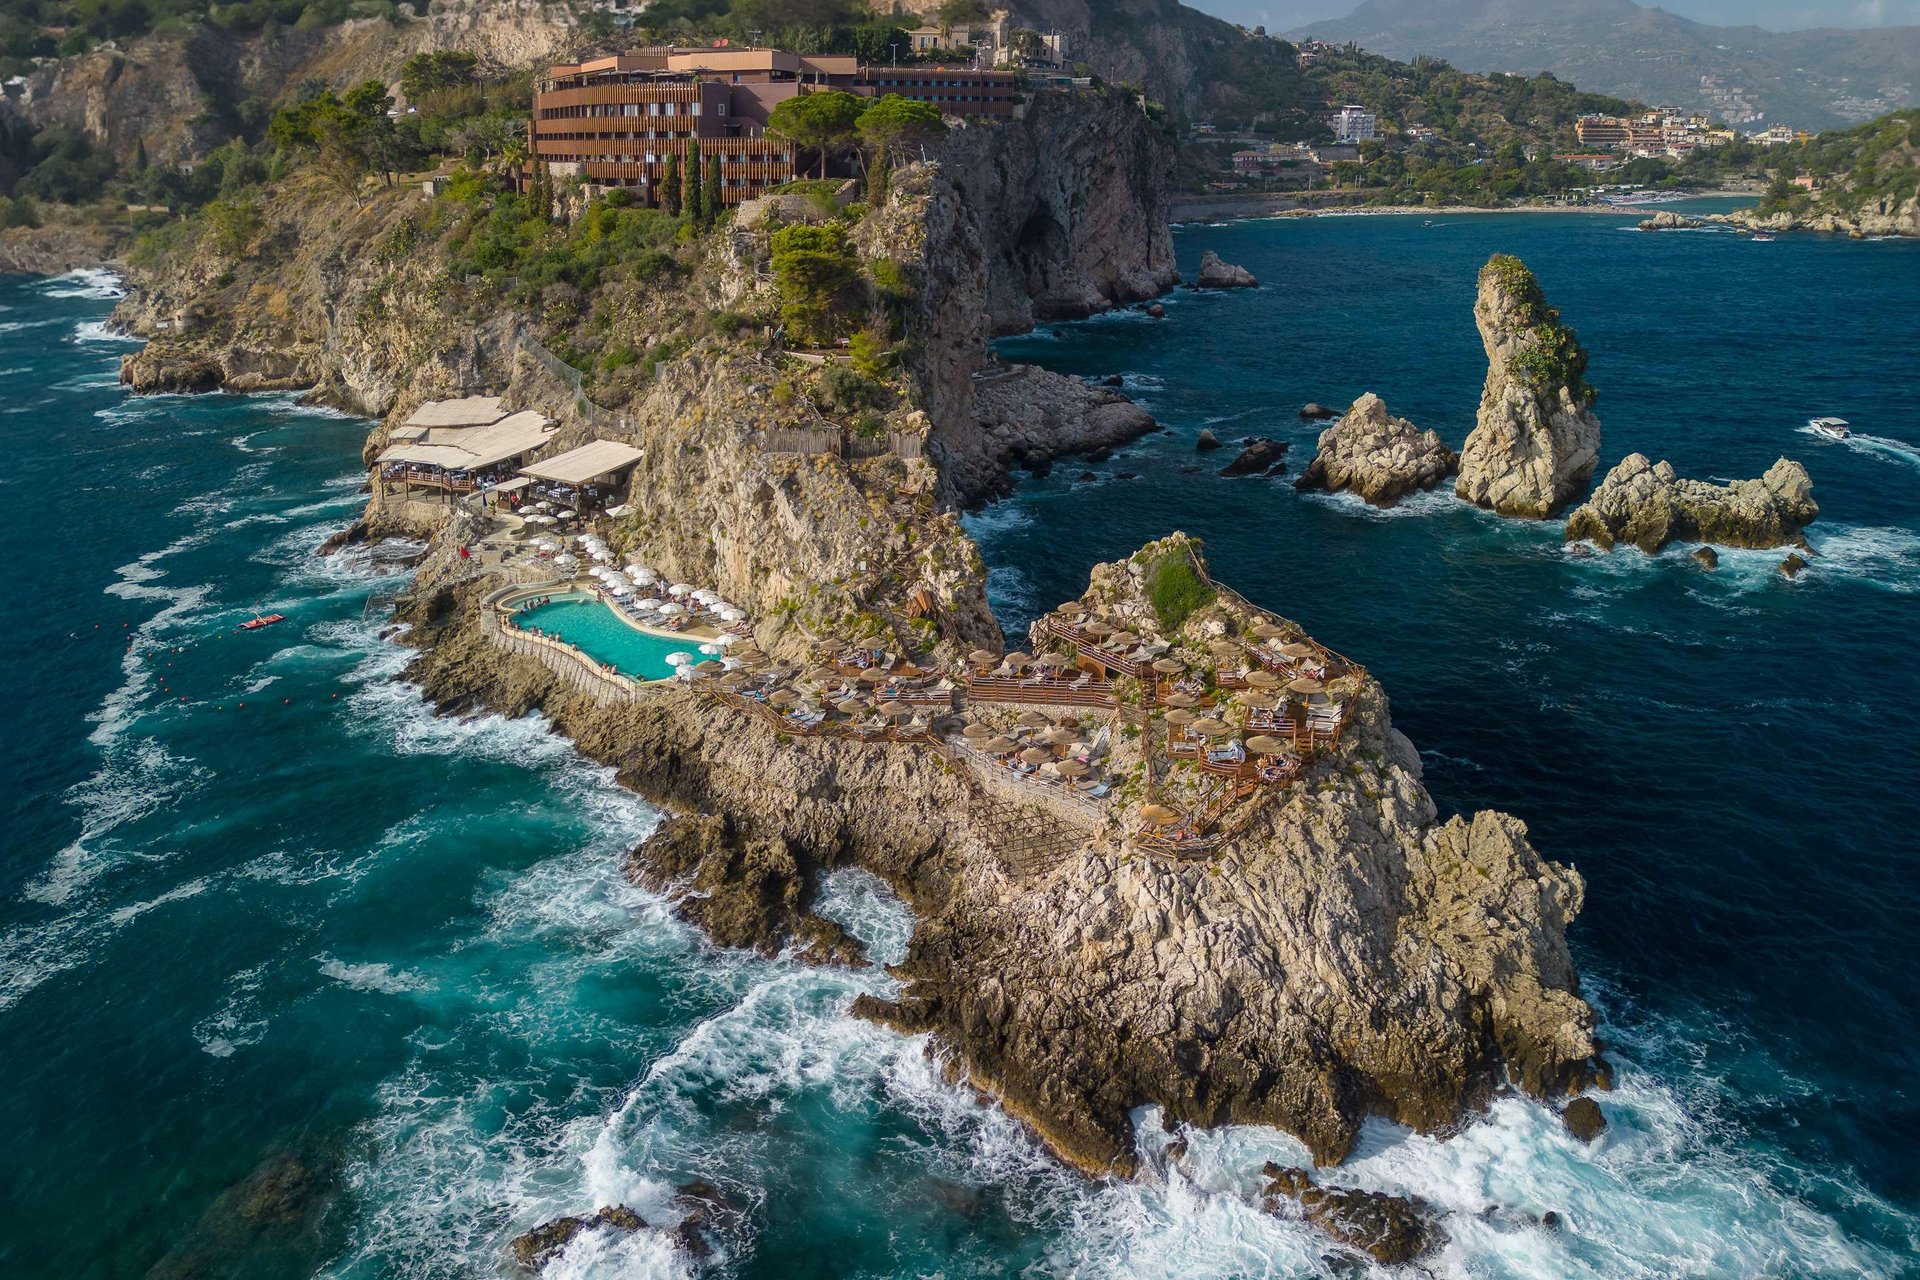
1313,411
1644,503
1030,416
1535,441
1793,565
1583,1119
1156,311
1668,220
1100,455
1393,1230
1206,441
1707,556
1380,457
1114,380
542,1244
1256,456
1215,273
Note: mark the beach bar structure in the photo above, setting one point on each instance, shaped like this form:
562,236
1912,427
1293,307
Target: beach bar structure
458,456
588,474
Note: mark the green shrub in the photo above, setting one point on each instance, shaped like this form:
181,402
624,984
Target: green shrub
869,425
841,389
1176,590
812,271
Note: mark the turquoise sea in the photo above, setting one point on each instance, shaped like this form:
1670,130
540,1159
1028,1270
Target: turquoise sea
297,979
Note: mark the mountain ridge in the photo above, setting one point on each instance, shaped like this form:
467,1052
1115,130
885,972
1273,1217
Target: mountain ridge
1814,79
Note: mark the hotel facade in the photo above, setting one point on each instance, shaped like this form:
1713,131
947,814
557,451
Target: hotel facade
617,121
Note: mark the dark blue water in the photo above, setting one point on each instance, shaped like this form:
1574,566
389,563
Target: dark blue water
1729,757
297,979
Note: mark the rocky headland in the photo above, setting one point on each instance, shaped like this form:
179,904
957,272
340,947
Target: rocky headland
1377,456
1668,220
1535,441
1646,505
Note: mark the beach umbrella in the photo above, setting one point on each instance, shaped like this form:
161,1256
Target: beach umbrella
730,682
1072,768
1055,660
1033,720
1305,685
850,706
1212,728
783,697
711,667
1261,701
731,664
1168,666
1123,638
1181,700
679,589
1224,649
1263,679
1298,649
733,615
671,610
907,671
1261,744
974,729
998,746
621,589
1019,658
1097,628
1179,717
1159,815
711,649
1267,631
982,658
894,707
1035,755
874,675
726,639
679,659
1057,737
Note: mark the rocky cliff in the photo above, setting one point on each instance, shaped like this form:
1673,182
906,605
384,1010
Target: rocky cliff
1381,458
1880,216
1646,505
1060,215
1346,954
1535,441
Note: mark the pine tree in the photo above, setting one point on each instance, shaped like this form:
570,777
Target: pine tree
670,186
692,199
716,192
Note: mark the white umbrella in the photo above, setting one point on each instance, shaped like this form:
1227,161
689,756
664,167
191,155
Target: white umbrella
710,649
649,602
679,589
621,589
726,640
617,511
705,595
566,561
679,659
731,664
672,610
566,513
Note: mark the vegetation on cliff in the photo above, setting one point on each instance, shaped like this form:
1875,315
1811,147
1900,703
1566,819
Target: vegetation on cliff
1874,163
1551,355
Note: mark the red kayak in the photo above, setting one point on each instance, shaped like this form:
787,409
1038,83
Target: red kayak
265,620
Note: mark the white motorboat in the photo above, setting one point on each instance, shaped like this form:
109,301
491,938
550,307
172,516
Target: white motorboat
1831,428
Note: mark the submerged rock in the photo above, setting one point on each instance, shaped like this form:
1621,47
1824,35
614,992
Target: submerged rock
1583,1119
544,1243
1392,1230
1707,556
1216,273
1377,456
1646,505
1258,456
1313,411
1535,441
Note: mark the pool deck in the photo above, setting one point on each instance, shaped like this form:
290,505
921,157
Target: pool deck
585,590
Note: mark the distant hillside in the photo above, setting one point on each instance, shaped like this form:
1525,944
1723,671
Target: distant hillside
1808,79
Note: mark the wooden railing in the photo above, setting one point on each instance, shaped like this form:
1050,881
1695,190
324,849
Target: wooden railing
1087,648
1095,693
1022,786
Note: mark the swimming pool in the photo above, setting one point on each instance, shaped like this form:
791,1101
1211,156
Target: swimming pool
592,627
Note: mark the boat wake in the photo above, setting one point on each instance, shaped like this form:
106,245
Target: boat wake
1883,445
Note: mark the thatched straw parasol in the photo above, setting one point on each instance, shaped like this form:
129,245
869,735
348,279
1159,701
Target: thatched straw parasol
1181,717
1056,736
1019,658
783,697
1213,728
982,658
1159,815
998,746
874,675
1224,649
1267,631
1260,744
1298,649
1097,628
908,671
1181,700
1305,685
1033,720
1055,660
1035,755
1073,768
1169,666
895,707
850,707
976,731
1263,679
1261,701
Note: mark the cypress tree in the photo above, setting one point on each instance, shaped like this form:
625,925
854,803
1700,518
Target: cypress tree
670,186
693,200
715,190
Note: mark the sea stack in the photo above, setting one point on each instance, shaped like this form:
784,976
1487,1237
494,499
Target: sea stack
1644,503
1217,273
1381,458
1535,441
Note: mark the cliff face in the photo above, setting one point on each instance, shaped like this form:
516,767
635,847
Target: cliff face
1881,216
1378,456
1346,954
1535,441
1060,215
1647,505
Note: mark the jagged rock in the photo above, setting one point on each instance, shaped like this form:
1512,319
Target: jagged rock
703,1207
1645,504
1668,220
1257,456
1794,565
1207,441
1535,441
1393,1230
1216,273
150,370
1377,456
1176,1150
351,535
1100,455
1707,556
1037,461
1033,415
541,1245
1584,1119
1313,411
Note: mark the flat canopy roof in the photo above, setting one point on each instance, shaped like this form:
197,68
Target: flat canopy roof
577,466
509,486
476,447
470,411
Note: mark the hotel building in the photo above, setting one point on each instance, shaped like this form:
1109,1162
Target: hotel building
615,121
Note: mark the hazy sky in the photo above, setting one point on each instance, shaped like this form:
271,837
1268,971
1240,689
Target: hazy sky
1780,15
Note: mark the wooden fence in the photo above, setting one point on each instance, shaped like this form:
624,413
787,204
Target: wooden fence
1095,693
